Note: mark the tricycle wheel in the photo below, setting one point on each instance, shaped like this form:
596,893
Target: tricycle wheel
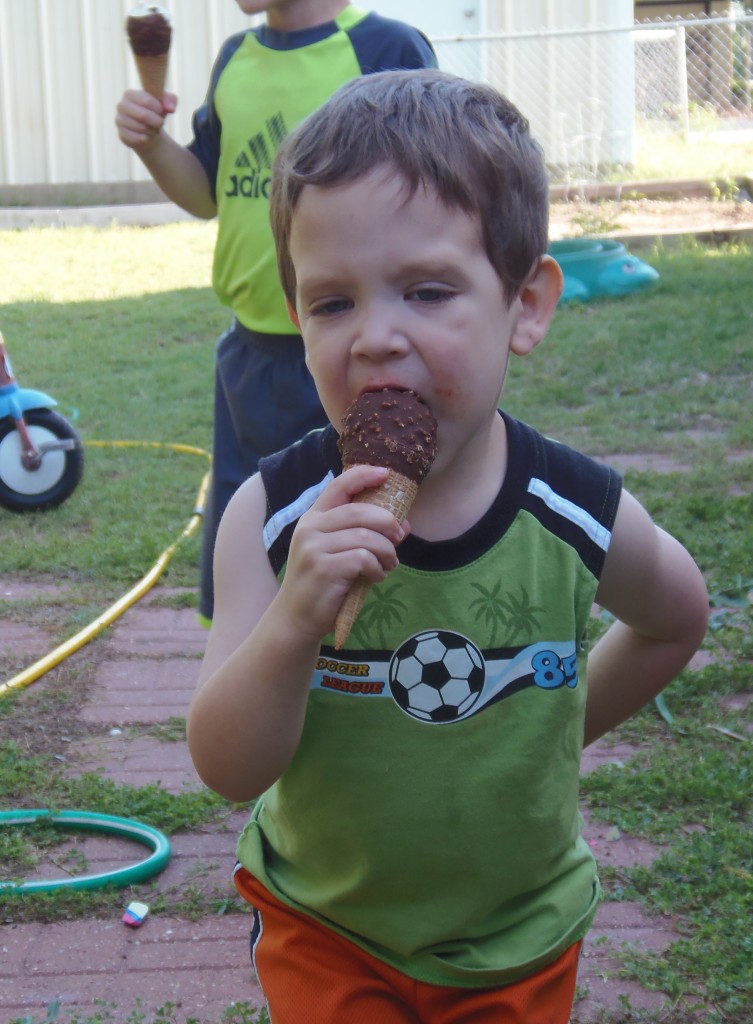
24,490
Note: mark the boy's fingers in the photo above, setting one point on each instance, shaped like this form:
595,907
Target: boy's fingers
141,106
349,485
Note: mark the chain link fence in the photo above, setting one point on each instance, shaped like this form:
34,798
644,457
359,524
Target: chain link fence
612,103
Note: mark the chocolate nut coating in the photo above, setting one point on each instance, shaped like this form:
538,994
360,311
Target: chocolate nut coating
390,428
149,34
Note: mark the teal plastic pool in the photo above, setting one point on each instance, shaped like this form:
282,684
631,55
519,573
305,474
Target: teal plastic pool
595,267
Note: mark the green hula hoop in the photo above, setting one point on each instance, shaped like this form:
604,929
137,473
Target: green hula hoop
88,821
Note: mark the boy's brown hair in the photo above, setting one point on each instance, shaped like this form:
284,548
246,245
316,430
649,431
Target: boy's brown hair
437,131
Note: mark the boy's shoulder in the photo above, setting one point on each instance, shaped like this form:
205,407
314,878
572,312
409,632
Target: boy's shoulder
561,466
570,493
302,462
227,51
406,46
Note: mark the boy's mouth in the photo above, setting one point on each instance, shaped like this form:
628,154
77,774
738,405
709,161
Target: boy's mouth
384,386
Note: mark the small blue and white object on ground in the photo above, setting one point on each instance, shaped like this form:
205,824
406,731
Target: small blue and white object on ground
135,914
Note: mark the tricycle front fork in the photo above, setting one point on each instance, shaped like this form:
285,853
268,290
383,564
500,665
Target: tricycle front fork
31,456
13,400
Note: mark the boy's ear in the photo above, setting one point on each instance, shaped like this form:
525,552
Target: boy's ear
538,297
293,316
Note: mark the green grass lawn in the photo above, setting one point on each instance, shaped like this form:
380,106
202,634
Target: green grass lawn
119,325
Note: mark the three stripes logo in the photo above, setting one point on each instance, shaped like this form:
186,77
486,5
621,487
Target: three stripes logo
253,165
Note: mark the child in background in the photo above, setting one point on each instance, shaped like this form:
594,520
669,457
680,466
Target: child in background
407,867
264,81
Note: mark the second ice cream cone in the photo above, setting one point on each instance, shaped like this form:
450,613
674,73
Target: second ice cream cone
396,494
153,73
149,33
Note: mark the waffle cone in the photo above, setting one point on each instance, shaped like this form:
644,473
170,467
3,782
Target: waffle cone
153,73
396,494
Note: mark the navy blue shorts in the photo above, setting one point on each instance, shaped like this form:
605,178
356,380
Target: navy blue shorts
265,399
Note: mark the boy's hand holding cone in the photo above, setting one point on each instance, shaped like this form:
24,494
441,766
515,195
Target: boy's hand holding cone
388,428
149,33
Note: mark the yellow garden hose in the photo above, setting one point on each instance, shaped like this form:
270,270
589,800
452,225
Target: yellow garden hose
67,648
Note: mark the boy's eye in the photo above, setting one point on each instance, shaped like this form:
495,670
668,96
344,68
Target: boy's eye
430,294
331,307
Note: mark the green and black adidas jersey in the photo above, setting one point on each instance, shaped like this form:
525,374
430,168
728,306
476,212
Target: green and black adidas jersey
430,813
263,84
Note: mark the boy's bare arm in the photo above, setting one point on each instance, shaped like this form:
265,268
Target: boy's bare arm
657,593
246,718
140,119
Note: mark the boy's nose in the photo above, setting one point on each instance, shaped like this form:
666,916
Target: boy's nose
380,337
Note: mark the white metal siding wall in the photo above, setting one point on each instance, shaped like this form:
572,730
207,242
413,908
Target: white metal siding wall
64,64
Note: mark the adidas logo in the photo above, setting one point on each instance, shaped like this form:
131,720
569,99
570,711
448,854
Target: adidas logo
254,164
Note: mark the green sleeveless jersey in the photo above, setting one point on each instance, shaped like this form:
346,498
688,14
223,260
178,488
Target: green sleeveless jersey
430,813
263,84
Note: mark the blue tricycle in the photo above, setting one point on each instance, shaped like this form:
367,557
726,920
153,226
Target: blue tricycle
41,455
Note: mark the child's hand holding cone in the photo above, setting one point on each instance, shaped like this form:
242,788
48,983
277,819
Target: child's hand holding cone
385,428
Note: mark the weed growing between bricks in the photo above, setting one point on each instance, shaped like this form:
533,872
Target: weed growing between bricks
108,1013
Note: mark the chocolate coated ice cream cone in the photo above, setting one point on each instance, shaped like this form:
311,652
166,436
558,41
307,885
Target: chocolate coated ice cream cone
385,428
149,33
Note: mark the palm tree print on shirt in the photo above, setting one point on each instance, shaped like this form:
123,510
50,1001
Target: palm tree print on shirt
509,617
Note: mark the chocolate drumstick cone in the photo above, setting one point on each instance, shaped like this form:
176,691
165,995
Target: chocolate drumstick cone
149,33
385,428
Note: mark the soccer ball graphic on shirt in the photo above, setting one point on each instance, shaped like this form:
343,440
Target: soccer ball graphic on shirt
437,676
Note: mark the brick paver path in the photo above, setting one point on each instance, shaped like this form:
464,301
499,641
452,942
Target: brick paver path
147,666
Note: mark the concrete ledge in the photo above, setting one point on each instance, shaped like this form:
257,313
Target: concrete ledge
645,238
672,188
139,215
715,236
82,193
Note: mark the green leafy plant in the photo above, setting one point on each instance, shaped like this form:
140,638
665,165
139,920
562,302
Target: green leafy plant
600,219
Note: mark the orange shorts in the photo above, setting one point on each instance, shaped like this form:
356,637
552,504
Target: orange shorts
313,974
